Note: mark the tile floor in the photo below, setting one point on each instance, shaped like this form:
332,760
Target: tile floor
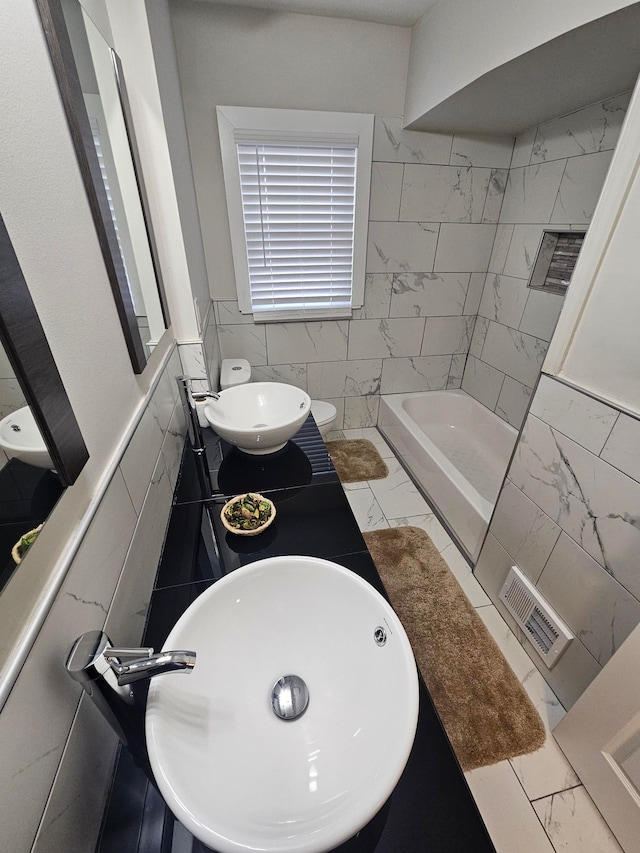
531,804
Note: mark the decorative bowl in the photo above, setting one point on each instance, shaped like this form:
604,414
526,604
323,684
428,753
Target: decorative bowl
238,500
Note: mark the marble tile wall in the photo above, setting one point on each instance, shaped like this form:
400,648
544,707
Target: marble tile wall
57,752
569,517
555,177
435,203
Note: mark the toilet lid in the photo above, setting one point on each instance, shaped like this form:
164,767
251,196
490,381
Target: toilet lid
322,412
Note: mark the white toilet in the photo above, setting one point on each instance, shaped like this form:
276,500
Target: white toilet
237,371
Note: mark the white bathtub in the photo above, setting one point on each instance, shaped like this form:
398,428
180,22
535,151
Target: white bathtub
456,450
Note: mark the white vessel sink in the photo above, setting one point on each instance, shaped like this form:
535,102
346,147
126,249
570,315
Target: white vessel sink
20,438
238,776
259,417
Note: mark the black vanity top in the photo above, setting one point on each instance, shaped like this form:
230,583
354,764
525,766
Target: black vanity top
431,809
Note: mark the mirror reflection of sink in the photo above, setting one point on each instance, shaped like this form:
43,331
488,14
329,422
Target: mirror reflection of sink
298,719
20,439
259,417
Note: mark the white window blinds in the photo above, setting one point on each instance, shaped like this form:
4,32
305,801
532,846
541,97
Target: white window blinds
298,206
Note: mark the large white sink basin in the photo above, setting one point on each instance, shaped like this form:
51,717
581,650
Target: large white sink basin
21,438
234,773
259,417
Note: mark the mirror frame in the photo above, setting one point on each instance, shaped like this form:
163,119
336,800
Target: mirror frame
64,66
32,361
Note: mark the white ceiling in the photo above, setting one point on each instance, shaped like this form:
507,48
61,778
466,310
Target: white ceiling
403,13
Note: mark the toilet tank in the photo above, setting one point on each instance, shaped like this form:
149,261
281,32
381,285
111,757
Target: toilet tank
234,371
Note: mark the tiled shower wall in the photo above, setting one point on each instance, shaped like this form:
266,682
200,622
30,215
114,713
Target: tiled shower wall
555,179
435,202
568,517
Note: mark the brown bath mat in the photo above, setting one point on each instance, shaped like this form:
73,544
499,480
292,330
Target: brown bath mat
484,709
356,460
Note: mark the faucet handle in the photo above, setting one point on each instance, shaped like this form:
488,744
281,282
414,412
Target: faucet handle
127,654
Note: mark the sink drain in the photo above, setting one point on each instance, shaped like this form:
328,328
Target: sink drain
289,697
259,426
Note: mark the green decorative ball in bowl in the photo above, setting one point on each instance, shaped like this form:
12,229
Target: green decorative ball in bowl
248,514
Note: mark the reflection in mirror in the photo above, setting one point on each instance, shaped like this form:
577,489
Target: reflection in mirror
95,99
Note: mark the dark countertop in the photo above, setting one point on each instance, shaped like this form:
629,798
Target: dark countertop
431,809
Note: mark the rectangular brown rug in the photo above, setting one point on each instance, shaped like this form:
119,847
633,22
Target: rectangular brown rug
483,707
356,460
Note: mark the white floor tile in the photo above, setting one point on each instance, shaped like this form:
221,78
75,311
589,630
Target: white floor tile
349,487
366,510
335,435
506,810
397,495
574,824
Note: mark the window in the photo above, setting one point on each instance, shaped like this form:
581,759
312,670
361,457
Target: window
297,186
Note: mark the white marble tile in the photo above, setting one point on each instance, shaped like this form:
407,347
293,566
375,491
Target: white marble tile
492,151
504,300
593,502
585,420
500,249
479,334
463,248
513,402
580,187
366,509
397,495
420,373
73,815
594,605
482,381
163,399
622,447
518,355
373,435
11,396
361,412
401,246
335,435
495,195
428,294
345,378
456,372
574,824
386,188
586,131
377,296
531,192
245,342
506,811
523,147
173,444
524,530
522,250
128,610
541,314
393,144
290,343
193,360
140,458
474,293
290,374
384,338
228,314
443,193
447,335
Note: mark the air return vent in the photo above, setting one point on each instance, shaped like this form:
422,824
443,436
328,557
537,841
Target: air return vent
544,629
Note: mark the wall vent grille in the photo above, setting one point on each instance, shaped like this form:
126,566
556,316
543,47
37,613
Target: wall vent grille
543,627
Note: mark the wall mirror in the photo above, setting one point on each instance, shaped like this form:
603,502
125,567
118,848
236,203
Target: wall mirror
29,486
93,91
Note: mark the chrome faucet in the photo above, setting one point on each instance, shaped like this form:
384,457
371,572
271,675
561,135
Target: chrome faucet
107,674
199,396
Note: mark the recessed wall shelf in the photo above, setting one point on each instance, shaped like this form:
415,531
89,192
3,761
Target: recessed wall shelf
556,260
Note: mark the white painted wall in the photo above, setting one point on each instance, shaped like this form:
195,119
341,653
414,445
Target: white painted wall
458,41
246,57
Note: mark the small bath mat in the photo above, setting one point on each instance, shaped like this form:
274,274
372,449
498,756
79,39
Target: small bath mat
356,460
483,707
